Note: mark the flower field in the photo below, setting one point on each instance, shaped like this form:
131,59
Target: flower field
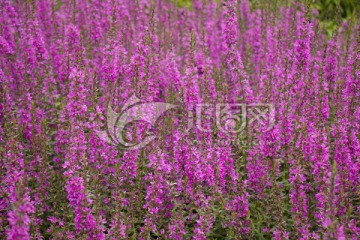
150,119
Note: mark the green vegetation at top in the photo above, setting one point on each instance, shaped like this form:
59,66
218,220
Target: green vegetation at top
331,13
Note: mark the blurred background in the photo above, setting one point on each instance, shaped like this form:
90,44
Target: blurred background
330,13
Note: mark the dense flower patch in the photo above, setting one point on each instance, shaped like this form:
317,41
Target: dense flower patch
63,63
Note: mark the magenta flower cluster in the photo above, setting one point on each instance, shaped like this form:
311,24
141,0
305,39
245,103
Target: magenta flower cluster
63,61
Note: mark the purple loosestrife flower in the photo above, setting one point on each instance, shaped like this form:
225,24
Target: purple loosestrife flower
63,62
19,217
238,80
